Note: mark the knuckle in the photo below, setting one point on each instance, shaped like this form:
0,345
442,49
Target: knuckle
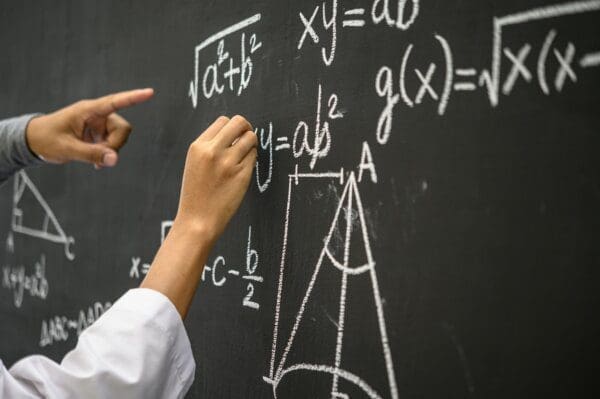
122,126
241,121
223,119
195,149
245,141
249,139
95,156
227,164
238,119
253,138
207,153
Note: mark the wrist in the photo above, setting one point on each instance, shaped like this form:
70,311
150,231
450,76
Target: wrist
195,230
32,134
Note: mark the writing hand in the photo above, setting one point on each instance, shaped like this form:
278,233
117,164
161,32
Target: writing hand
218,169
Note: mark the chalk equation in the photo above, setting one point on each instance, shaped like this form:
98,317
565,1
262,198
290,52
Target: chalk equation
227,72
315,142
17,280
137,268
218,274
59,328
320,27
547,64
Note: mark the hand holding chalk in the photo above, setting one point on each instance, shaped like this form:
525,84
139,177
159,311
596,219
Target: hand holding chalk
216,176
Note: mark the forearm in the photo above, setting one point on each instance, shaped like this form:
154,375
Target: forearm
14,150
178,265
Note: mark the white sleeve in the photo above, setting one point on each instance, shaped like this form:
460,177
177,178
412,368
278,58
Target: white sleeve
137,349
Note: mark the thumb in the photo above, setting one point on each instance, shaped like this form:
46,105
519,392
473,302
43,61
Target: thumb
96,154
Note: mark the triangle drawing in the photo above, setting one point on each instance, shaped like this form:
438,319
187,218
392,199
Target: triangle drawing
48,227
346,241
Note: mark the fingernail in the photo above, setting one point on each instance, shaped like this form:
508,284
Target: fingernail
109,159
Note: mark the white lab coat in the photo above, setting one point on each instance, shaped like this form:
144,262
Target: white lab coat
137,349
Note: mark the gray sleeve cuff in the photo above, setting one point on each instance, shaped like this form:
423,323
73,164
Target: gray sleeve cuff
15,154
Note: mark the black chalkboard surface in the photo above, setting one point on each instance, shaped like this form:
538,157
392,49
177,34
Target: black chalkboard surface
424,221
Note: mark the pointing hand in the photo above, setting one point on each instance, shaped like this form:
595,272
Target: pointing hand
88,130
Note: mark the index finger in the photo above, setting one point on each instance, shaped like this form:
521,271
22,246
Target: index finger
106,105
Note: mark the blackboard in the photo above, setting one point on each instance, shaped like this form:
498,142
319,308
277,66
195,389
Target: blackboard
423,221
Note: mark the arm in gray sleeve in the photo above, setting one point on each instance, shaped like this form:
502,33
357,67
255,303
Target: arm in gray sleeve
14,151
